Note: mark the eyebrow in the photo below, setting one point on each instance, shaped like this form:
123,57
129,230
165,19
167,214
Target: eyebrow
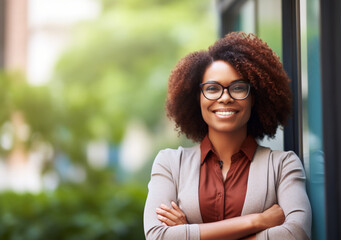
234,81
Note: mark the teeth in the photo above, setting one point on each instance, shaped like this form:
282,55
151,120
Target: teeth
225,113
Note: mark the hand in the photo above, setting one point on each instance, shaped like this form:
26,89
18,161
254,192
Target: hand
171,216
273,216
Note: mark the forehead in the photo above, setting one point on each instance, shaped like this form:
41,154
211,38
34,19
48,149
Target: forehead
222,72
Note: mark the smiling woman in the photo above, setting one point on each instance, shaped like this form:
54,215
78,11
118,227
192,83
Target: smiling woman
228,187
225,113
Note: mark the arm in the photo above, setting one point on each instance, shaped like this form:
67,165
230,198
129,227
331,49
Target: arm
162,189
243,226
234,228
252,237
293,199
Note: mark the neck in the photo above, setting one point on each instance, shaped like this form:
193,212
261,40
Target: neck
226,144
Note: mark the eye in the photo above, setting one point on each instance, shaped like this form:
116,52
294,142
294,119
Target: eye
212,88
239,87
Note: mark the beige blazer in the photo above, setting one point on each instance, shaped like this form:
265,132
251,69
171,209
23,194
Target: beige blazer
274,177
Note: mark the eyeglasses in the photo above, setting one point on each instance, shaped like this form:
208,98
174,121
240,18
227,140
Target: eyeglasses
238,90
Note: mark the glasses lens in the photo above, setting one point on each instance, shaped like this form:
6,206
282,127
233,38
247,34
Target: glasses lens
212,90
239,90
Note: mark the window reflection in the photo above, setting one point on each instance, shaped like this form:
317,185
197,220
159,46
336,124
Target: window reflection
312,114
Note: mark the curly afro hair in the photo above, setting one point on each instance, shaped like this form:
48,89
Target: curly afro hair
255,62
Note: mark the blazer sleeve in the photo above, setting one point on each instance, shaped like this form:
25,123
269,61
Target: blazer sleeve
162,188
292,197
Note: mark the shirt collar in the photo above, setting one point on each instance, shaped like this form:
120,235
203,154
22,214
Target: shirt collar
248,147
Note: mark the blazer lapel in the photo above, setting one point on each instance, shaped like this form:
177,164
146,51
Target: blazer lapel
257,185
189,182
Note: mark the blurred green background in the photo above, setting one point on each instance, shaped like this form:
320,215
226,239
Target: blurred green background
109,83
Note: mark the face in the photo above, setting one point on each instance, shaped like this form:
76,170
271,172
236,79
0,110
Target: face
225,114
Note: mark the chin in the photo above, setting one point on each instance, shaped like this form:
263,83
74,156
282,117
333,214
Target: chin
227,130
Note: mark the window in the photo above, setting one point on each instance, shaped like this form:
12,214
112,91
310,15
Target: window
312,114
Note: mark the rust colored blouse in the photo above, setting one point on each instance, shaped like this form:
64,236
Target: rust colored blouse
221,199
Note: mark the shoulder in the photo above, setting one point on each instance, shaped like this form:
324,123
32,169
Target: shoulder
172,157
285,157
172,154
277,156
277,160
287,163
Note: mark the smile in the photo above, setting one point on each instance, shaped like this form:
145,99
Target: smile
225,113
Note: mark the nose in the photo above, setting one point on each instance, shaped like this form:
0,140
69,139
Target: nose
225,98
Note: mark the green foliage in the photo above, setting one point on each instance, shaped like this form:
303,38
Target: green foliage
33,103
118,65
106,211
115,70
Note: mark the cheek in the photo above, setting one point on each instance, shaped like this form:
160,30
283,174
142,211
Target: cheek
247,109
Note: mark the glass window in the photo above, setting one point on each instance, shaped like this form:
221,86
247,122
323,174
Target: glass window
269,23
246,19
312,114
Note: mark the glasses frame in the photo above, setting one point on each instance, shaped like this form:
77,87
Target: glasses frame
228,89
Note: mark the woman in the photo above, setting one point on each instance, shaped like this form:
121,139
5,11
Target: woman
228,187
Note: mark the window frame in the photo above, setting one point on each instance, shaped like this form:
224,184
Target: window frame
331,107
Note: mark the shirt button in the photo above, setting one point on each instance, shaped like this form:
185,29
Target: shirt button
219,194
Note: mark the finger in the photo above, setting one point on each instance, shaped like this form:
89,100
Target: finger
166,221
175,206
181,215
176,213
177,209
163,212
165,207
167,214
